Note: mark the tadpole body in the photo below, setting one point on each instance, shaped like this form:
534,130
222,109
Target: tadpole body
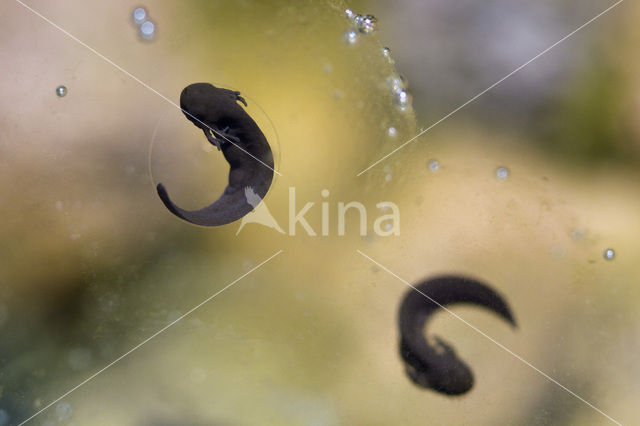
226,125
435,365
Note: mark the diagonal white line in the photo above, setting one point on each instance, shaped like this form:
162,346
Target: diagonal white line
500,345
142,83
94,375
492,86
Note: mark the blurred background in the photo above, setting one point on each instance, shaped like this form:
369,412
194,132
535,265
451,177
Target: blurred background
533,188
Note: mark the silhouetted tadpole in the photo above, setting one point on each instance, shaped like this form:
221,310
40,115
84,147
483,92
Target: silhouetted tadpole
435,365
227,126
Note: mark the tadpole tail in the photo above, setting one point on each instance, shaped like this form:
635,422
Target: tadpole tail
449,290
229,207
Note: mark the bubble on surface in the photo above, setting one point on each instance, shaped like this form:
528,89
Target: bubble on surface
386,52
434,165
349,14
388,177
61,91
63,411
147,30
387,227
351,37
609,254
366,24
392,132
79,358
403,100
397,82
139,15
4,417
502,173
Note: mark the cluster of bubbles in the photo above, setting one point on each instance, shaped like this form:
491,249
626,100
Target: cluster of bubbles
61,91
362,24
146,26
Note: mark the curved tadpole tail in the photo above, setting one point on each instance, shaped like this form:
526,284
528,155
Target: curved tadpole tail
434,364
231,206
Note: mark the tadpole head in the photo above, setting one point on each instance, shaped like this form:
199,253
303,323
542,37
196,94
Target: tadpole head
438,368
197,102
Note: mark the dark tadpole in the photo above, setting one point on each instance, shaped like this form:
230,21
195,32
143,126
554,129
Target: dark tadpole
227,126
435,365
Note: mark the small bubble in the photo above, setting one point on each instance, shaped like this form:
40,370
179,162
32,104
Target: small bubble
147,30
577,234
609,254
139,15
63,411
366,24
61,91
349,14
397,82
351,37
402,99
502,173
386,52
433,165
387,227
392,132
388,177
79,358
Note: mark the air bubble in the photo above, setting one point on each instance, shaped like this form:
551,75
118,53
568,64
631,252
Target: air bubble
366,24
147,30
609,254
351,37
61,91
388,177
402,99
502,173
349,14
577,234
397,82
79,359
139,15
392,132
63,411
434,165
